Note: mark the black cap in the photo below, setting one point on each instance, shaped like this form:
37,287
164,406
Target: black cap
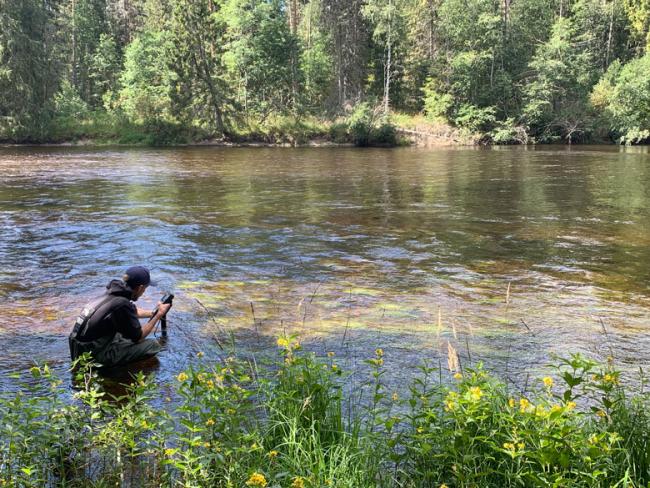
137,275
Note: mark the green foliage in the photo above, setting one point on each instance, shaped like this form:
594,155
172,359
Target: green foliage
557,92
68,103
280,129
88,25
509,132
234,425
360,124
475,119
624,95
198,35
227,67
29,68
262,55
638,13
104,71
437,105
316,65
146,81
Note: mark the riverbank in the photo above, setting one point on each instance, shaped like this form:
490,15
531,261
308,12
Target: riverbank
294,424
359,129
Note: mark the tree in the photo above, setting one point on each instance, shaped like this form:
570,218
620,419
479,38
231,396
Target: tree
387,20
316,60
558,86
87,23
623,94
198,34
147,81
345,26
30,66
261,54
104,71
638,13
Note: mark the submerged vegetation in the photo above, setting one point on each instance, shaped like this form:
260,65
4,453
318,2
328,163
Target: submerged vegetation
296,424
172,71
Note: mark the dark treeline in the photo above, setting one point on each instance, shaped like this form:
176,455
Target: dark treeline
517,71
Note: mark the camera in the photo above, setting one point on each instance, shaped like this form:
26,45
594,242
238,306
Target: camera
166,299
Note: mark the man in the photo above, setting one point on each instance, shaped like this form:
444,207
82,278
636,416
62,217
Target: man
108,327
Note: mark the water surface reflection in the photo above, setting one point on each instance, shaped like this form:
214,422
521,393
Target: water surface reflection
354,249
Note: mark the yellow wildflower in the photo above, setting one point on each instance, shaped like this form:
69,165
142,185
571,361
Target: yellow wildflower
273,454
610,378
509,446
283,342
200,354
298,482
450,401
210,384
475,393
395,397
334,367
593,439
571,405
523,404
169,452
548,381
614,437
520,445
330,354
182,377
206,444
555,408
511,402
443,486
601,414
379,352
420,430
458,376
209,422
257,479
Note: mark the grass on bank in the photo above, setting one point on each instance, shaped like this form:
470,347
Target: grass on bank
362,127
296,425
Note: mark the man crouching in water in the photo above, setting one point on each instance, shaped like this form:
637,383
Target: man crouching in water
108,327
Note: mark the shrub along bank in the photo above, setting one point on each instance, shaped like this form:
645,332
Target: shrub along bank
362,127
295,425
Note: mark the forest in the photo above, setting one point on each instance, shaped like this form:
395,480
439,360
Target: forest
169,71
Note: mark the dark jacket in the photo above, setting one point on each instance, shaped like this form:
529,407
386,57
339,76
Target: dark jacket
118,314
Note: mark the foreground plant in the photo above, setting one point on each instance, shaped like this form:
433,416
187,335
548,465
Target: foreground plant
233,425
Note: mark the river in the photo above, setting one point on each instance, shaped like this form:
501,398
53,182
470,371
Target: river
510,255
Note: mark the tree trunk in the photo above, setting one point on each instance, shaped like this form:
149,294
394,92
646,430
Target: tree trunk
609,37
293,16
388,67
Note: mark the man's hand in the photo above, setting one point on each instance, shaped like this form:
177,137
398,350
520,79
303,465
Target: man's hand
163,308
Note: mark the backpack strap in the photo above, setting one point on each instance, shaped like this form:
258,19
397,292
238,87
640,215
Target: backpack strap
82,322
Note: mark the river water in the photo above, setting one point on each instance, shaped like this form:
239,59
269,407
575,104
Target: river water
509,255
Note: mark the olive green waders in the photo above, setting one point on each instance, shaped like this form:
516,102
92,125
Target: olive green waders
115,351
